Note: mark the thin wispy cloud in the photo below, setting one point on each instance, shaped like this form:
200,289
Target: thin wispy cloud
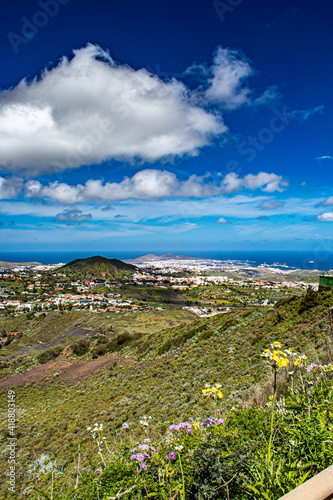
287,16
326,203
271,204
323,158
227,86
72,216
302,115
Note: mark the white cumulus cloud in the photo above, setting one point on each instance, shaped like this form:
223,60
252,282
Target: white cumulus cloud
152,184
263,180
325,217
10,188
90,109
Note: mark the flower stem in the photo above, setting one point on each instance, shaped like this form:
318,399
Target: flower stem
183,479
269,451
144,484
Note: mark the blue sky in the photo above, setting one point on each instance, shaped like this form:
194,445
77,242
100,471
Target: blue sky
166,125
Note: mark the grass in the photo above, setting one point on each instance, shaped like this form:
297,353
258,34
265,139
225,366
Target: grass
160,372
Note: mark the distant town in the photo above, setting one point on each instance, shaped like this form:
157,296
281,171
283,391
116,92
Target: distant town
199,285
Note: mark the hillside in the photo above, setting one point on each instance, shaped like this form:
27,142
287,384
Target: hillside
121,375
97,266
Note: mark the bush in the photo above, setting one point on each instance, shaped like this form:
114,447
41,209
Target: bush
118,342
217,462
98,351
309,300
283,302
81,347
49,354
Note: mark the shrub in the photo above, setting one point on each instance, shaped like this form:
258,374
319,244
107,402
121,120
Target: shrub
220,469
49,354
309,300
283,302
81,347
119,341
98,351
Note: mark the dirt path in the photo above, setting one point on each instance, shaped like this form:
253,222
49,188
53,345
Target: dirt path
63,369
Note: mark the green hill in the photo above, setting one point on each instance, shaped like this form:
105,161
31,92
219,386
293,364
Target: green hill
120,376
98,266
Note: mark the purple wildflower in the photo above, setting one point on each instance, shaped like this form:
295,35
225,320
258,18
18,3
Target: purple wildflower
125,426
146,447
140,457
182,425
98,471
172,455
143,466
311,367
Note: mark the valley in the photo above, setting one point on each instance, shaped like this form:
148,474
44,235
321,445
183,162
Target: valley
119,351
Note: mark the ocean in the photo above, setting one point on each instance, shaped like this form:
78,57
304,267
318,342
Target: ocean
321,259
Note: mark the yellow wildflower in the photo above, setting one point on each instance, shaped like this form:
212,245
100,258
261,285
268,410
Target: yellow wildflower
213,391
282,362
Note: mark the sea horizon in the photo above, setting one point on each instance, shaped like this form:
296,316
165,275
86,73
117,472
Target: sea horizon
306,260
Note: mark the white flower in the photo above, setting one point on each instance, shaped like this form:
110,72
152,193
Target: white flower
179,448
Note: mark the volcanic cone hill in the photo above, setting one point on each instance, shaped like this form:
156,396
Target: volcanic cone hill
98,266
